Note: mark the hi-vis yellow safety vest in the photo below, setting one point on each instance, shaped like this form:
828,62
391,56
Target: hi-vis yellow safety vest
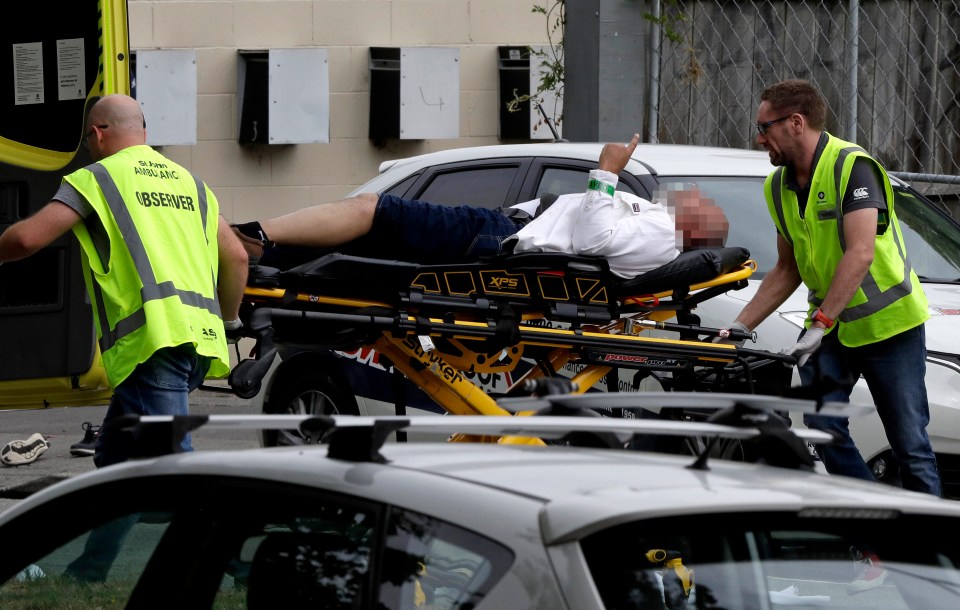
155,284
890,300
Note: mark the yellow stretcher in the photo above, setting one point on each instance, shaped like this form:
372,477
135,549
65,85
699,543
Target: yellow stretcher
437,322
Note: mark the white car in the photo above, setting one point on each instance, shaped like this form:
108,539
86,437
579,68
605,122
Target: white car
357,524
495,176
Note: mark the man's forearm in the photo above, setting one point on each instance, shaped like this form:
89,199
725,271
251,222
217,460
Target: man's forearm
860,233
233,270
846,280
776,288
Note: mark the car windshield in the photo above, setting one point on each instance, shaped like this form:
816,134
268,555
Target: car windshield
823,558
933,242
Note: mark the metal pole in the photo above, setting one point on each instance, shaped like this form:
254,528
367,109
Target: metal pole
853,47
653,107
920,177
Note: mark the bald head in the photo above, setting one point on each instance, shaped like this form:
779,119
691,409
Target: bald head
115,122
700,222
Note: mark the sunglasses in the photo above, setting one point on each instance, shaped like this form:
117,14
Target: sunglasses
763,127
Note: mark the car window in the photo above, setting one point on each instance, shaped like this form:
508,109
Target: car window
744,205
454,567
933,243
400,189
566,180
234,543
316,556
159,541
485,186
110,558
817,558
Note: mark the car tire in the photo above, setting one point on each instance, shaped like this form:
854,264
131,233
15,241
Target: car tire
310,394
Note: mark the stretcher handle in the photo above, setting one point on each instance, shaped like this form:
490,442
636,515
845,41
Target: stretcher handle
550,386
732,334
786,359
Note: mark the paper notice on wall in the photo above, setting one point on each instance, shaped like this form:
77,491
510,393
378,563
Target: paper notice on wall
70,81
429,93
28,73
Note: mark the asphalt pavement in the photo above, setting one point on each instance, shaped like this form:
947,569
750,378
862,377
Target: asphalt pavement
61,426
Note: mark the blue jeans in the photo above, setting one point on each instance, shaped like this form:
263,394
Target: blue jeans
424,232
159,386
894,370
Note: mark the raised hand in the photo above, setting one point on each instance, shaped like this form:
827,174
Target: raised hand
614,156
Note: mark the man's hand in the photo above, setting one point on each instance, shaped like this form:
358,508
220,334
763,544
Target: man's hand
723,337
804,348
233,329
614,157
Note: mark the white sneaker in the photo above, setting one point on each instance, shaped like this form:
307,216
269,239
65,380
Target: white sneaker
870,572
31,572
18,453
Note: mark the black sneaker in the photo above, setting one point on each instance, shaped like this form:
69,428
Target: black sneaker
18,453
86,446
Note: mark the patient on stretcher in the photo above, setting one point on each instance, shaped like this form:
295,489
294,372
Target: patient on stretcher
633,235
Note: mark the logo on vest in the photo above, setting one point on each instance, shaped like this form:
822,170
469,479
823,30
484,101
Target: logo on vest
165,200
156,170
860,193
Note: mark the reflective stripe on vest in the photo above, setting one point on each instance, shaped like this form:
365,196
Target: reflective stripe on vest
876,299
151,289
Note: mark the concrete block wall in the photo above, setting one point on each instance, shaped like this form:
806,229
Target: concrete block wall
258,181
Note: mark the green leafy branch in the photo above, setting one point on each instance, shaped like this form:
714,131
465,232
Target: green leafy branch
668,21
550,61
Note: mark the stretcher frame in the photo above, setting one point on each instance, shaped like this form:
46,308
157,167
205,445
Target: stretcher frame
433,337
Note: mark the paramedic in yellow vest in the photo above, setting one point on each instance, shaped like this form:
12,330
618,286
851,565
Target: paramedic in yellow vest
837,232
163,269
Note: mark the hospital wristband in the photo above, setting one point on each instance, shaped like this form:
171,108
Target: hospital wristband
596,185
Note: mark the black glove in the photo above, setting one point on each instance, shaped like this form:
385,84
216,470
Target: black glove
233,329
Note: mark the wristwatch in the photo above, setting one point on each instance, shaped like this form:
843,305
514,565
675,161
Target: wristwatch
818,316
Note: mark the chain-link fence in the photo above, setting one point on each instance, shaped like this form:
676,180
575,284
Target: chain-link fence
888,68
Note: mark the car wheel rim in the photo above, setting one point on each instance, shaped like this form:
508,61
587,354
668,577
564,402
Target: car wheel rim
309,403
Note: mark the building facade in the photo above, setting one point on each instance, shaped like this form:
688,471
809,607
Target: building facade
261,180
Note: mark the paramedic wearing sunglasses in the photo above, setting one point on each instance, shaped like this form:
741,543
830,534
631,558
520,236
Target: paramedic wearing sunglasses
633,234
837,232
163,269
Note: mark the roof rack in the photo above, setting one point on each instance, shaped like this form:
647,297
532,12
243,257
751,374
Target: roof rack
359,439
655,401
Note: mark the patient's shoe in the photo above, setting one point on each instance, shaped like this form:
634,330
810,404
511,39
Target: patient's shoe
18,453
253,238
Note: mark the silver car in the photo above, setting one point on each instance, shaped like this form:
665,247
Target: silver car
569,522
